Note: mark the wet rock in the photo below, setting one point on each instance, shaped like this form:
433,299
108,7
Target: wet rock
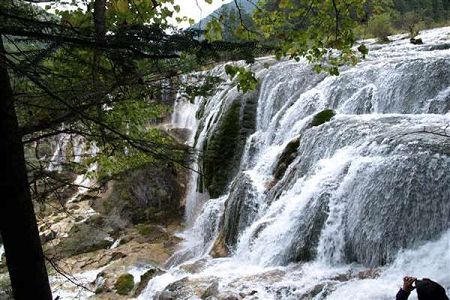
286,158
369,274
166,295
308,230
145,278
342,277
417,41
219,152
322,117
240,210
223,148
177,290
259,229
219,249
314,291
194,267
229,296
211,291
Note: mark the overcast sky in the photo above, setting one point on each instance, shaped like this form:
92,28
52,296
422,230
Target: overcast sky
195,9
198,9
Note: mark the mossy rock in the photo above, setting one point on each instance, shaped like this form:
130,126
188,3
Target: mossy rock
220,150
148,233
322,117
124,284
83,238
286,158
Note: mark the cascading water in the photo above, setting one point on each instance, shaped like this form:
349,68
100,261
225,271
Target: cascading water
80,150
328,210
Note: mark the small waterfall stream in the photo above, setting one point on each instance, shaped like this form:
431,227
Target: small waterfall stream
363,200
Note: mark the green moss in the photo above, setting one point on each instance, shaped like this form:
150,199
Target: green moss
220,151
145,230
322,117
124,284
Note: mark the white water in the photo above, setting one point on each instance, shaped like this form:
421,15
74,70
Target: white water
80,150
368,191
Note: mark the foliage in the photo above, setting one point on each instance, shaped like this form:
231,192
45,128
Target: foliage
380,27
103,81
435,10
412,22
245,78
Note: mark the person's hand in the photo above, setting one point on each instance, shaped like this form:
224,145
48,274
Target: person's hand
408,284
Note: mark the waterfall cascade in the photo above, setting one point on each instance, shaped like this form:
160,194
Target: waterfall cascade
324,209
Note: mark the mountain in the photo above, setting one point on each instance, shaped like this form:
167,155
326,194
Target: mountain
246,6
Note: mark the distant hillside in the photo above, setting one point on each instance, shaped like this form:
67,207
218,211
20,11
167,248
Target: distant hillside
246,6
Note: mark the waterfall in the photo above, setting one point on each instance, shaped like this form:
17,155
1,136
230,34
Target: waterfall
78,149
330,209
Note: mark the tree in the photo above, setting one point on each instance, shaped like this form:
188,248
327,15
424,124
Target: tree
18,224
380,27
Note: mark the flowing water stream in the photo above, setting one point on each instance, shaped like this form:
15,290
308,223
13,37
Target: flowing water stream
364,201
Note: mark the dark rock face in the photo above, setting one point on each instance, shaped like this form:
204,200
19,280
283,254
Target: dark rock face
145,278
304,248
219,151
416,41
322,117
240,210
223,148
152,193
286,158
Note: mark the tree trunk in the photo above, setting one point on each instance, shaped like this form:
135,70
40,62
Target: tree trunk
24,256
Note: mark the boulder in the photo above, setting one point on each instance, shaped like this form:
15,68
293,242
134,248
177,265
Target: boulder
417,41
145,278
124,284
220,249
322,117
286,158
83,238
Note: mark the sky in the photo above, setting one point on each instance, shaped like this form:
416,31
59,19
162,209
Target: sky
194,9
198,9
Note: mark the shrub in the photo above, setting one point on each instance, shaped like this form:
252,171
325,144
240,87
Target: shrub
380,27
412,22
